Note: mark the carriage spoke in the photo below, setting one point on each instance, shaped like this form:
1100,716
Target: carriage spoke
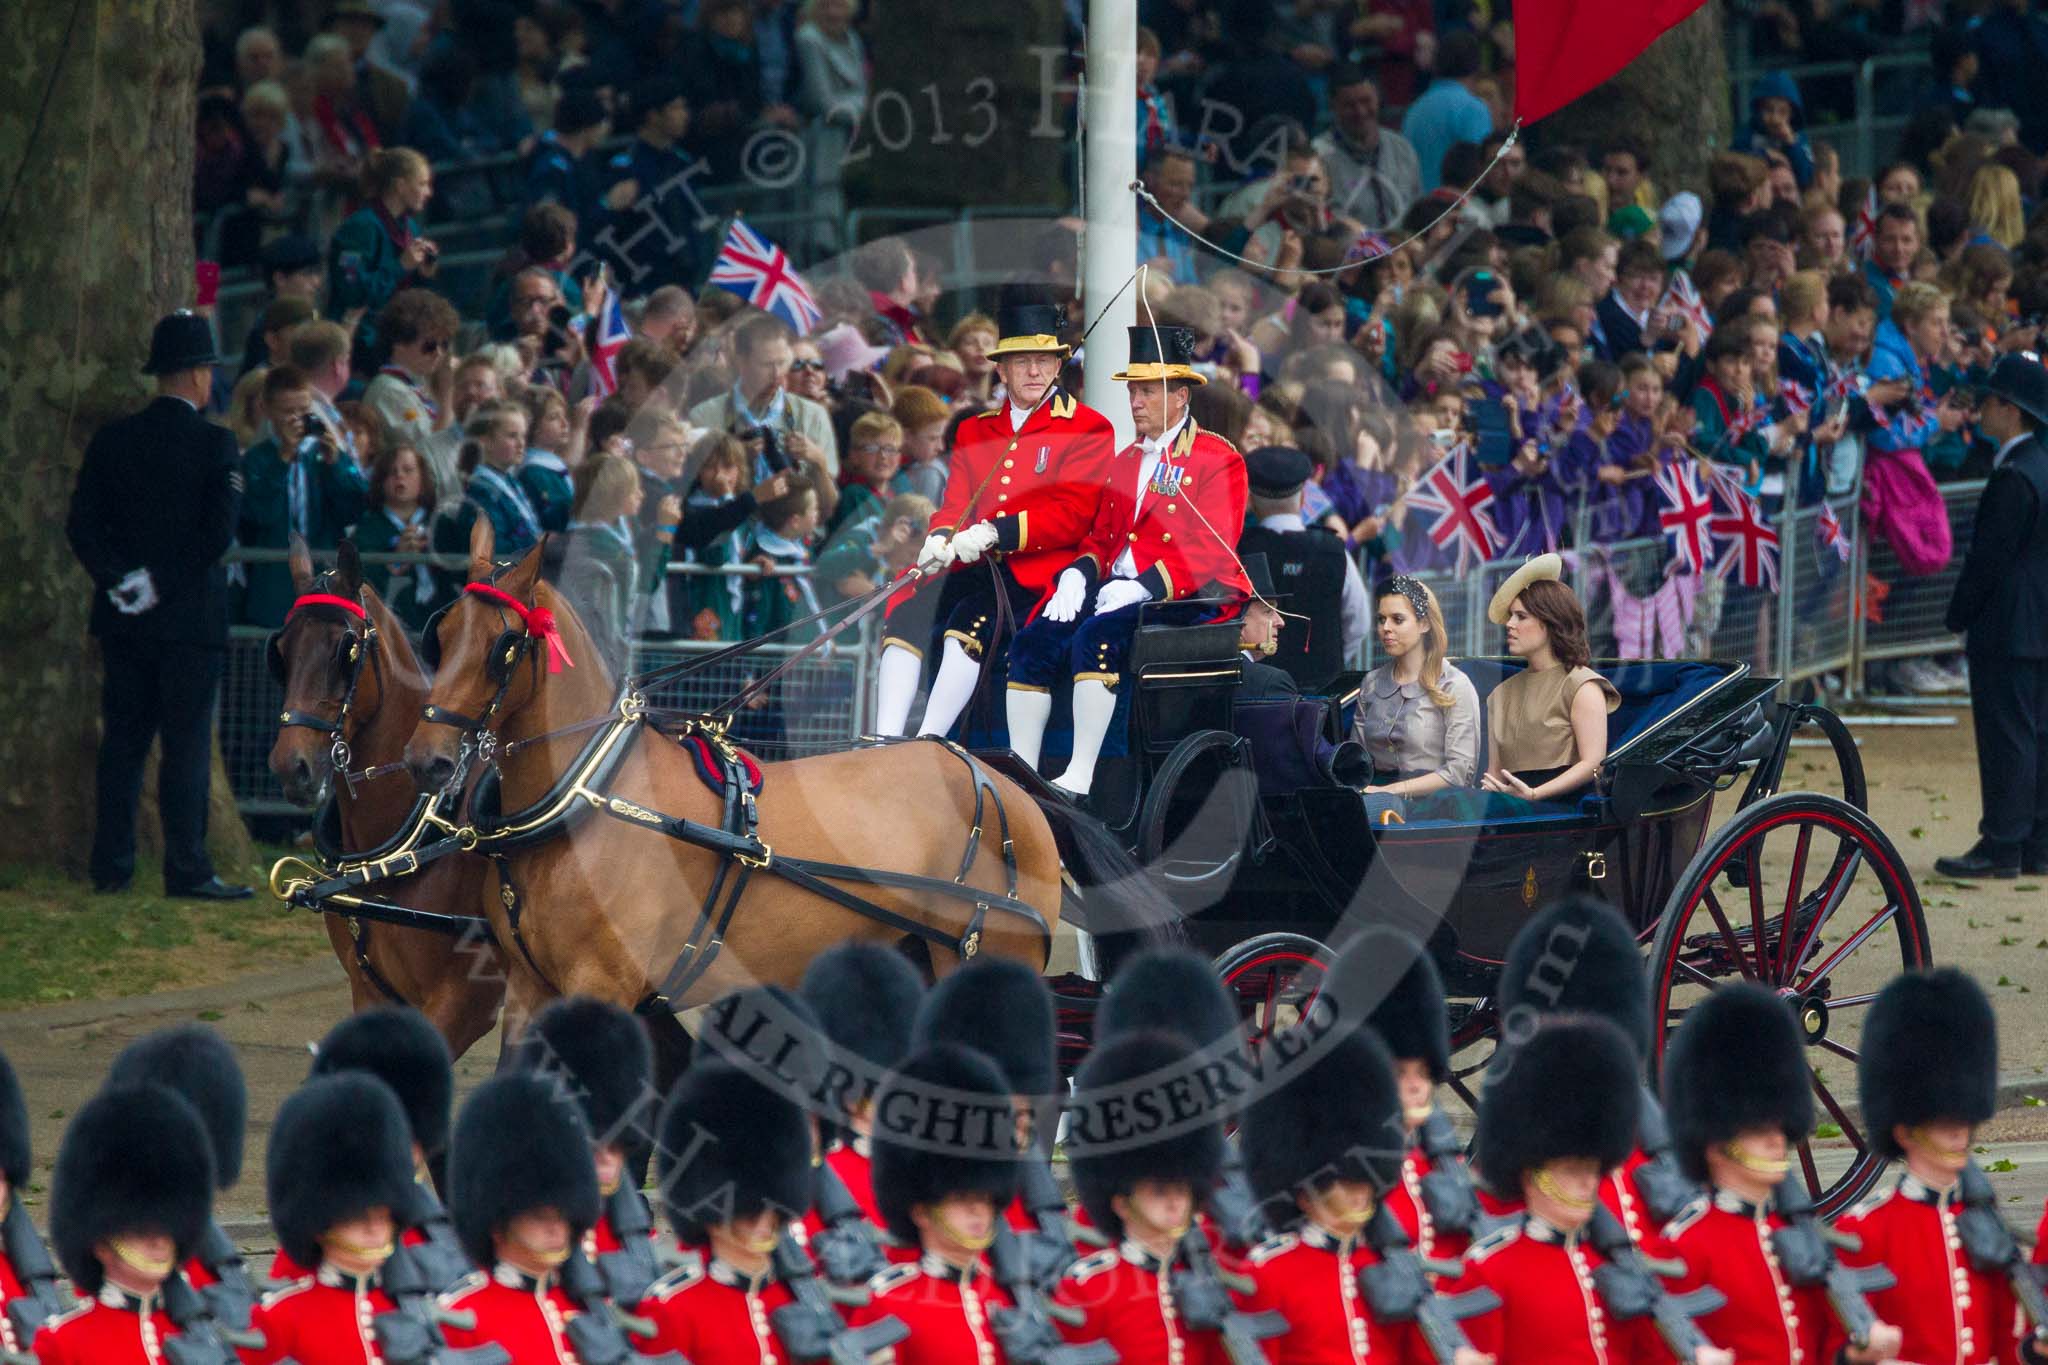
1842,1050
1727,932
1787,927
1836,1004
1841,1116
1753,864
1850,945
1811,1171
1832,896
1692,974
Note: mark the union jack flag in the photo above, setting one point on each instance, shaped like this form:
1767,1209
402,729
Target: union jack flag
1827,528
611,338
1682,297
1752,544
1798,400
1459,496
1840,389
758,271
1863,234
1684,513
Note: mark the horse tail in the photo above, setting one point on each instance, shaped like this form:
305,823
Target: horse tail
1108,893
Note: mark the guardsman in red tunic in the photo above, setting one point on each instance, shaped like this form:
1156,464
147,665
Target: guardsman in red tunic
866,998
1578,955
339,1163
200,1067
1325,1146
600,1055
1002,1009
523,1193
1141,1170
131,1194
1927,1076
17,1233
1165,530
1021,490
735,1171
397,1045
1558,1115
1738,1094
945,1168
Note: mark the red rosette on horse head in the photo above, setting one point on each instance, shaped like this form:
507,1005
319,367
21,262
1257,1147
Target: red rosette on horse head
539,621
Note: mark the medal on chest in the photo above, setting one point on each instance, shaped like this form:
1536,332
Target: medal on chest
1166,479
1044,457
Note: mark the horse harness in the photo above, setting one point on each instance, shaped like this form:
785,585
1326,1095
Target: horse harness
357,647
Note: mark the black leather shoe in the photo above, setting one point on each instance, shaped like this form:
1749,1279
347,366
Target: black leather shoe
110,888
1980,863
212,889
2034,862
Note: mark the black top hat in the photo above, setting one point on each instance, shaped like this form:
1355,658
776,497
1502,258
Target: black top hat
2021,381
1260,576
290,253
1164,351
182,341
1277,471
1028,322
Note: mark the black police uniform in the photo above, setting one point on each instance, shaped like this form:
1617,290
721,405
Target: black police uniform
2001,602
159,490
1308,565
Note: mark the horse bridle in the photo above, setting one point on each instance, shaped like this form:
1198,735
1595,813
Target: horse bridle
357,647
501,665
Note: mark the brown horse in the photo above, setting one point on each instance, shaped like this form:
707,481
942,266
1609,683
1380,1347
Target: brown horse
614,901
374,696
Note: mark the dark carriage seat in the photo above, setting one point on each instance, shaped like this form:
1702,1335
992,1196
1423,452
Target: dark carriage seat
1651,689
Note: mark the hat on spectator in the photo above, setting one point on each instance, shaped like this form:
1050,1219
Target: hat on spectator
1161,351
182,341
1259,575
289,254
844,350
1630,222
1542,566
1028,323
2021,381
1677,223
1277,471
354,9
651,94
579,108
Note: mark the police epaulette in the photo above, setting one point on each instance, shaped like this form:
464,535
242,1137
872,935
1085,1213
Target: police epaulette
1683,1220
1279,1244
1088,1267
679,1279
894,1278
1492,1242
468,1284
286,1290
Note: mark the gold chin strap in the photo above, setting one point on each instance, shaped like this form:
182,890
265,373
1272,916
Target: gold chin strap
379,1253
550,1259
1547,1183
1346,1221
974,1244
135,1260
1773,1168
1418,1113
607,1188
1917,1137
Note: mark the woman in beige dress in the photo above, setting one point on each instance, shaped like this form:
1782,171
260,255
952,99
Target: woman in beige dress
1546,725
1418,716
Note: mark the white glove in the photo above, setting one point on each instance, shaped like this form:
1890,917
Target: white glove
1067,597
134,594
974,542
937,552
1119,593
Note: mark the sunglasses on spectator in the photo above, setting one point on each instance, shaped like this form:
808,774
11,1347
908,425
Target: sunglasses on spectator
799,366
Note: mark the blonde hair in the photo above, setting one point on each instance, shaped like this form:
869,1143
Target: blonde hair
1995,205
1917,301
606,480
1802,293
245,406
266,95
973,322
484,423
389,165
872,426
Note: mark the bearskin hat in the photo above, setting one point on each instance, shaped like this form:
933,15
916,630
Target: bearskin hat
929,1094
200,1065
519,1144
1389,979
1172,989
16,1155
400,1048
741,1147
1579,955
866,997
601,1056
1929,1052
1002,1009
1735,1064
339,1147
1336,1118
1102,1153
134,1159
770,1032
1568,1090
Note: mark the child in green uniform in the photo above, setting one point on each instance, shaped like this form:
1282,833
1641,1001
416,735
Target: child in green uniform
782,541
401,508
874,450
717,602
554,448
608,498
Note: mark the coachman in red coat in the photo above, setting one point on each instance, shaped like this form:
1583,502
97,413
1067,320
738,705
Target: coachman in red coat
1021,492
1165,530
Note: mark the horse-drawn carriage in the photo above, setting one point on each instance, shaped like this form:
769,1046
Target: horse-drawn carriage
1219,825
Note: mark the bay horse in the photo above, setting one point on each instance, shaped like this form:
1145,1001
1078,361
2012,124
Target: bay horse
349,673
957,858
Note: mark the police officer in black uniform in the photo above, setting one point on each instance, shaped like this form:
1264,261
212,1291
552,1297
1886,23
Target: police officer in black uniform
2001,608
1330,610
152,514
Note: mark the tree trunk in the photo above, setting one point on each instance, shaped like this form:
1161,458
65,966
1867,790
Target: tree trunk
95,244
1674,97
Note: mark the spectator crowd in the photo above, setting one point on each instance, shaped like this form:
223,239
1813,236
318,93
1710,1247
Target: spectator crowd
1568,329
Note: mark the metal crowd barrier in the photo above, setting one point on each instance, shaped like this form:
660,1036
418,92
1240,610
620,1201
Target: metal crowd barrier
1911,611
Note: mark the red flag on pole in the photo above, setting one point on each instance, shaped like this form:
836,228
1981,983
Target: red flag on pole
1563,48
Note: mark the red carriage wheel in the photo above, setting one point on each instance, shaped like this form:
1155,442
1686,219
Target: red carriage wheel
1805,895
1273,978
